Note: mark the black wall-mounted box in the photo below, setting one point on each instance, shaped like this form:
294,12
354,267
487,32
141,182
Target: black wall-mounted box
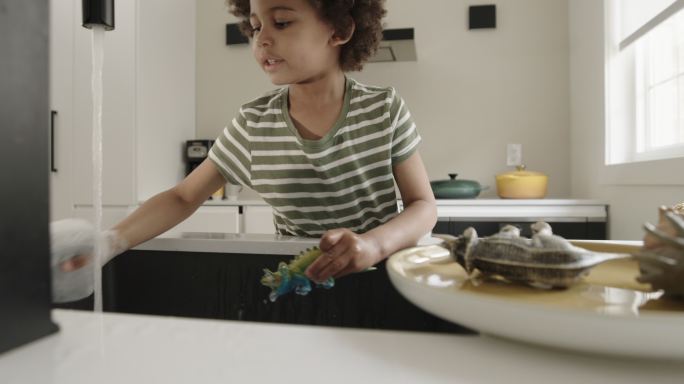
398,34
234,36
482,16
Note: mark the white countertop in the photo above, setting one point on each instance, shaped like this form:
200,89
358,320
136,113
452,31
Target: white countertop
233,203
496,209
115,348
449,202
519,202
239,243
523,210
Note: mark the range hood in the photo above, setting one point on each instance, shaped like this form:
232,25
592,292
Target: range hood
396,45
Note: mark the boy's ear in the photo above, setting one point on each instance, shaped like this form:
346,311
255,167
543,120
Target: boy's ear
338,40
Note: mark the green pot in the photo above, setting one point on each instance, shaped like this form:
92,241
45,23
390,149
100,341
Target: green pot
456,189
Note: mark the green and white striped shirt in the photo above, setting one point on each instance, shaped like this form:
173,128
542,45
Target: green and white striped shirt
343,180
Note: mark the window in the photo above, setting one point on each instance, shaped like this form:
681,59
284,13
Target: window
645,80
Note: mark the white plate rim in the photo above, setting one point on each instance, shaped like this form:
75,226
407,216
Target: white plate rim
653,335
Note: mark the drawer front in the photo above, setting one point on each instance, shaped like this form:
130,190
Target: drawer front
209,219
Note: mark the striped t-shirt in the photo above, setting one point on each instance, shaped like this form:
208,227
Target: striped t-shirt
342,180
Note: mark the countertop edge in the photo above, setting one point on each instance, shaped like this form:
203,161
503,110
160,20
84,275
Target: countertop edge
229,243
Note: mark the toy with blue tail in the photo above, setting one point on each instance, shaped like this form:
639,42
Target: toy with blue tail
290,276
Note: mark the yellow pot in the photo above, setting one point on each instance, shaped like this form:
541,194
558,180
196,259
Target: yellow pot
521,184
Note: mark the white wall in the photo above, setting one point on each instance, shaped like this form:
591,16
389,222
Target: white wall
630,205
148,101
470,92
165,91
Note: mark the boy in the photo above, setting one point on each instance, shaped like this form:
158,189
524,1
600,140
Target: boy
324,151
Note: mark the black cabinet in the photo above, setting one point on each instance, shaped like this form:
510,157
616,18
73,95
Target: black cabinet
585,229
226,286
443,226
578,219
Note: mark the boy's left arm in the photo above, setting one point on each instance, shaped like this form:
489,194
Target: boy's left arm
347,252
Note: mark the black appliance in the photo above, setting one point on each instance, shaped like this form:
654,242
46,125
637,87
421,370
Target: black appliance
196,151
25,298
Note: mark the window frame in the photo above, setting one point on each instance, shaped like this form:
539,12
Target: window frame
626,166
644,102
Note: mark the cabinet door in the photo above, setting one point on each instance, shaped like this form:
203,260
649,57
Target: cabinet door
442,227
209,219
483,228
566,229
61,106
576,230
570,230
597,230
258,219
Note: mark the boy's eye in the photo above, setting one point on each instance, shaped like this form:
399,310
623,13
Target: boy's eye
282,24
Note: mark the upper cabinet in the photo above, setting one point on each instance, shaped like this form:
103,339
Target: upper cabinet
61,105
148,101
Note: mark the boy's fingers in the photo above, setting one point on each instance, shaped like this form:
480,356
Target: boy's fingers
332,268
330,247
330,239
74,263
333,256
349,269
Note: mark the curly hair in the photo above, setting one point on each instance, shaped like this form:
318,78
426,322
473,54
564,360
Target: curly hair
366,15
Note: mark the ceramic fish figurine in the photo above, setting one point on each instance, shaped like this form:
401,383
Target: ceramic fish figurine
544,261
661,259
290,276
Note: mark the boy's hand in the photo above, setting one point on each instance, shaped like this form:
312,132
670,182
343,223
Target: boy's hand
72,244
76,262
344,252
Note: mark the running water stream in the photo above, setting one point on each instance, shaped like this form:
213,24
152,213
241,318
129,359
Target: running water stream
96,83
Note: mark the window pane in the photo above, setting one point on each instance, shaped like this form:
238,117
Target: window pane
646,89
662,55
635,13
663,125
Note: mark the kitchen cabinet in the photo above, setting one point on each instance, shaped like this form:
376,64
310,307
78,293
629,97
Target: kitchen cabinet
572,219
209,219
258,219
217,276
61,105
255,216
148,104
226,286
570,230
239,217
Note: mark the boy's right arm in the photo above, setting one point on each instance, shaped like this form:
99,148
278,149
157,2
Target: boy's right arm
166,209
158,214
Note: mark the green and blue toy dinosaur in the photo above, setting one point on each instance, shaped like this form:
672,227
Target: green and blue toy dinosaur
290,276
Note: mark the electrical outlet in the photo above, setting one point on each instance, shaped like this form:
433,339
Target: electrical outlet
514,154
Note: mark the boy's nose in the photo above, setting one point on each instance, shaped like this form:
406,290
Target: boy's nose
263,38
264,43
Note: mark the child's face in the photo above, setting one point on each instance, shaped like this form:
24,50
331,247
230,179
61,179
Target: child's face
291,42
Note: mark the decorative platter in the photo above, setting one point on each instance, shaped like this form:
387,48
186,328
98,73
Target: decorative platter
608,312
